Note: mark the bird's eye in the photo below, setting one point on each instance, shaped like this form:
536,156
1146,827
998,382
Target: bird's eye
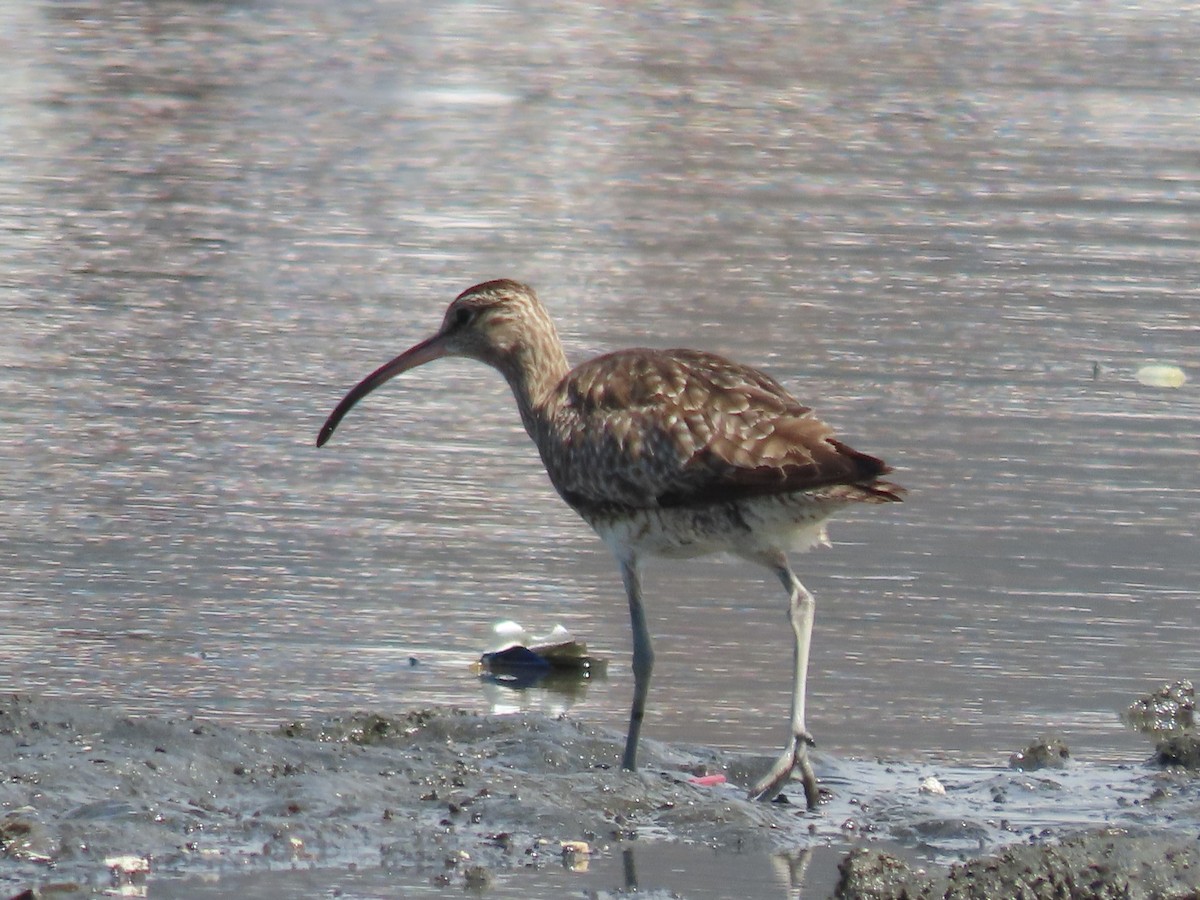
462,316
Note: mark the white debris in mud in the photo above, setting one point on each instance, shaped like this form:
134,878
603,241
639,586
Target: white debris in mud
932,786
128,865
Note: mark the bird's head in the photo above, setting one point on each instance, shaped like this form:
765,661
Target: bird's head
496,322
489,322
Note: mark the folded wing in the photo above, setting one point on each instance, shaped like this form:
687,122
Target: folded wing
652,428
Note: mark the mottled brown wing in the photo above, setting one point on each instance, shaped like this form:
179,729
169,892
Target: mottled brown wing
653,428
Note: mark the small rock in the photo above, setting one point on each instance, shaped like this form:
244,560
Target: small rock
1179,750
1169,709
477,878
1044,753
870,873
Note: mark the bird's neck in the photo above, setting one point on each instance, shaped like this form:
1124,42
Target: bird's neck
534,370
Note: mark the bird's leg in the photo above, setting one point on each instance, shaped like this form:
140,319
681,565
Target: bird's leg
801,607
643,658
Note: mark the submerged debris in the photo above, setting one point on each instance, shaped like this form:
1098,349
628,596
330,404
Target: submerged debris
521,659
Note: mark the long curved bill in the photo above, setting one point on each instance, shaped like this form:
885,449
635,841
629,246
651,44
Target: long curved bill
426,351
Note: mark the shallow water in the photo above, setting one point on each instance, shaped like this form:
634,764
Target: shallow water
695,873
955,232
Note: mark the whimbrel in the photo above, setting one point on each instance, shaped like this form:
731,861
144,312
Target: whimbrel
674,453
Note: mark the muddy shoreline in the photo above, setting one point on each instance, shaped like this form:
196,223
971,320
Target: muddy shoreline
94,799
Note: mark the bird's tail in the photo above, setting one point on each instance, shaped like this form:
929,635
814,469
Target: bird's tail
867,480
882,491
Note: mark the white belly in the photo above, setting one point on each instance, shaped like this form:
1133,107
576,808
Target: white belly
744,528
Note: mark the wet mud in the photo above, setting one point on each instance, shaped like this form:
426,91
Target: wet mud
95,800
1110,863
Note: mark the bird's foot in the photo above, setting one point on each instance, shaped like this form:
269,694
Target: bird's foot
794,756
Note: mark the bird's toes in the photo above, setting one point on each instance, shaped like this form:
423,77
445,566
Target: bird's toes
766,792
767,787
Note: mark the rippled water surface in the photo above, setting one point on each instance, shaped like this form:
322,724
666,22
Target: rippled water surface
956,231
